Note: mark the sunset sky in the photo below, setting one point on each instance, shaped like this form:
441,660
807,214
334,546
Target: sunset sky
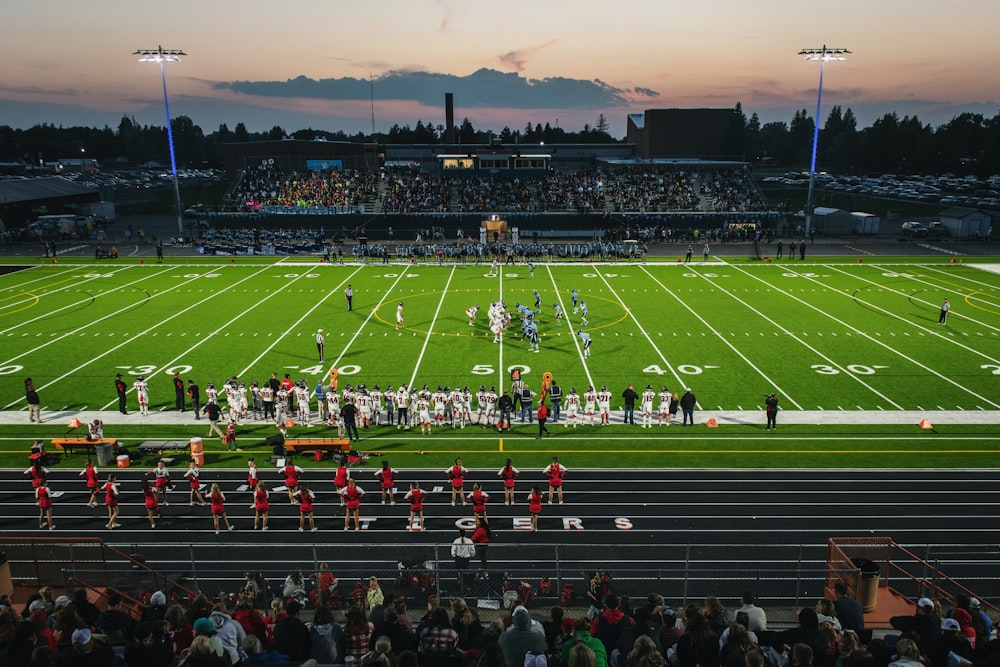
309,63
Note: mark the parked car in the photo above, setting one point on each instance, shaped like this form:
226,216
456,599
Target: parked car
914,229
937,228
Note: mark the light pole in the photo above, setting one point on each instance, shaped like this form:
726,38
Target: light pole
822,55
161,55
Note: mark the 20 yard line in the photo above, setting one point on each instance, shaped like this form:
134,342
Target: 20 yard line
430,329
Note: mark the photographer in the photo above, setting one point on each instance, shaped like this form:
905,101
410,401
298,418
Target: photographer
771,403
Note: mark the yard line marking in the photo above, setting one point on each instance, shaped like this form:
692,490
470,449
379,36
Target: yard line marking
572,333
721,337
281,336
642,331
131,339
24,283
984,285
75,304
893,350
430,329
500,371
793,335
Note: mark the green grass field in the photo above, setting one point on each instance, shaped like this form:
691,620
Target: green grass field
825,336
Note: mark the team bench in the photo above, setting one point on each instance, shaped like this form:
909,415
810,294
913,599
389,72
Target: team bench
69,445
309,444
157,447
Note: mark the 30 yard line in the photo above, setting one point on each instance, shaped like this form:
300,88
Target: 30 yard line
430,329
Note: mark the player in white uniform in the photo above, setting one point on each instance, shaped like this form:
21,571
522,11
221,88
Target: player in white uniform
584,342
403,408
481,404
377,405
647,406
232,401
280,407
491,406
364,401
423,407
399,315
604,405
241,397
211,394
572,408
471,314
466,406
589,403
302,402
438,399
457,415
664,416
584,313
142,393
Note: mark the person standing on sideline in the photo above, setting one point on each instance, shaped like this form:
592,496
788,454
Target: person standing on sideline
802,249
214,413
349,413
462,550
92,475
34,403
772,412
543,415
121,388
704,253
777,255
555,471
687,257
320,344
349,295
159,251
142,394
945,307
629,396
194,393
687,403
178,392
555,391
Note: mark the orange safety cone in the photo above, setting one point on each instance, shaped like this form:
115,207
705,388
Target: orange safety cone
289,422
952,260
55,261
926,424
679,260
142,261
859,260
711,423
74,423
232,260
768,260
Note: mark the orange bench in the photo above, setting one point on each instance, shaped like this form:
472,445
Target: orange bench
68,445
309,444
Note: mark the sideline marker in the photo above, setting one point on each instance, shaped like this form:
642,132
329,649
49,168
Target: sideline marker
74,423
55,261
711,423
859,260
142,261
926,424
952,260
232,260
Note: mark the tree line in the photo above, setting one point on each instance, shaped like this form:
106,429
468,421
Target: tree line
967,144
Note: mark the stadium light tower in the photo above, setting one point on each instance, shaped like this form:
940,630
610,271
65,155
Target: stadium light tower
161,55
822,55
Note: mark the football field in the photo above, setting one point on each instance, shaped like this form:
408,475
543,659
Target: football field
853,338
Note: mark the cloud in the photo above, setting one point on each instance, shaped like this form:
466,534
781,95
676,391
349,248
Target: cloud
483,88
518,58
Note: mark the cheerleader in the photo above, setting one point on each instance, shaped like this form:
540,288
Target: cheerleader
456,474
416,496
291,473
535,507
44,500
481,538
111,500
508,474
340,477
252,480
478,498
37,472
91,474
218,507
260,505
352,493
387,480
152,506
555,471
306,498
162,475
193,476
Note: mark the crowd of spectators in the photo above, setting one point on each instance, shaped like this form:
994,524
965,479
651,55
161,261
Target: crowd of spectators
380,631
265,188
652,189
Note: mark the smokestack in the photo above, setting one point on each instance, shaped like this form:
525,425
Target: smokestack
449,118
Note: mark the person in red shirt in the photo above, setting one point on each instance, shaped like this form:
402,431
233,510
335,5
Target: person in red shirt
535,507
306,498
340,478
387,480
111,500
481,538
508,474
416,497
555,471
456,474
261,506
37,472
218,507
44,500
543,415
352,493
291,473
478,498
193,475
253,477
91,474
152,505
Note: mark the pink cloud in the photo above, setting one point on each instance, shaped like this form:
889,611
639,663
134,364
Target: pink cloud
518,59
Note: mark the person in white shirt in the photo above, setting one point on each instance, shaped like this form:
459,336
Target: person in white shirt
572,408
463,551
756,615
647,406
142,393
664,411
320,344
589,404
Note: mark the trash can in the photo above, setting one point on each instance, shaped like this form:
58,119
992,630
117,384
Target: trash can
868,593
105,454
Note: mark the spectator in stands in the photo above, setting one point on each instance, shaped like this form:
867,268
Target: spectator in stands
582,656
438,641
583,638
520,638
808,632
802,655
357,633
400,639
229,631
157,608
717,616
849,610
200,654
964,602
849,643
381,654
258,656
756,615
145,651
250,619
736,646
644,626
116,623
645,654
976,609
86,651
178,631
88,610
326,638
291,636
608,625
907,654
671,632
465,621
699,645
826,613
950,641
553,626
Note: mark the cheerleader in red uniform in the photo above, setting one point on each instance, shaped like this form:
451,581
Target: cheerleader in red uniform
152,505
481,538
218,507
162,475
340,477
291,473
352,493
91,474
261,506
508,474
111,500
387,480
306,498
555,471
416,496
37,472
456,474
44,500
252,479
535,507
478,498
193,476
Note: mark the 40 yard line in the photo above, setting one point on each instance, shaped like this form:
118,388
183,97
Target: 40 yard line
430,329
572,333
